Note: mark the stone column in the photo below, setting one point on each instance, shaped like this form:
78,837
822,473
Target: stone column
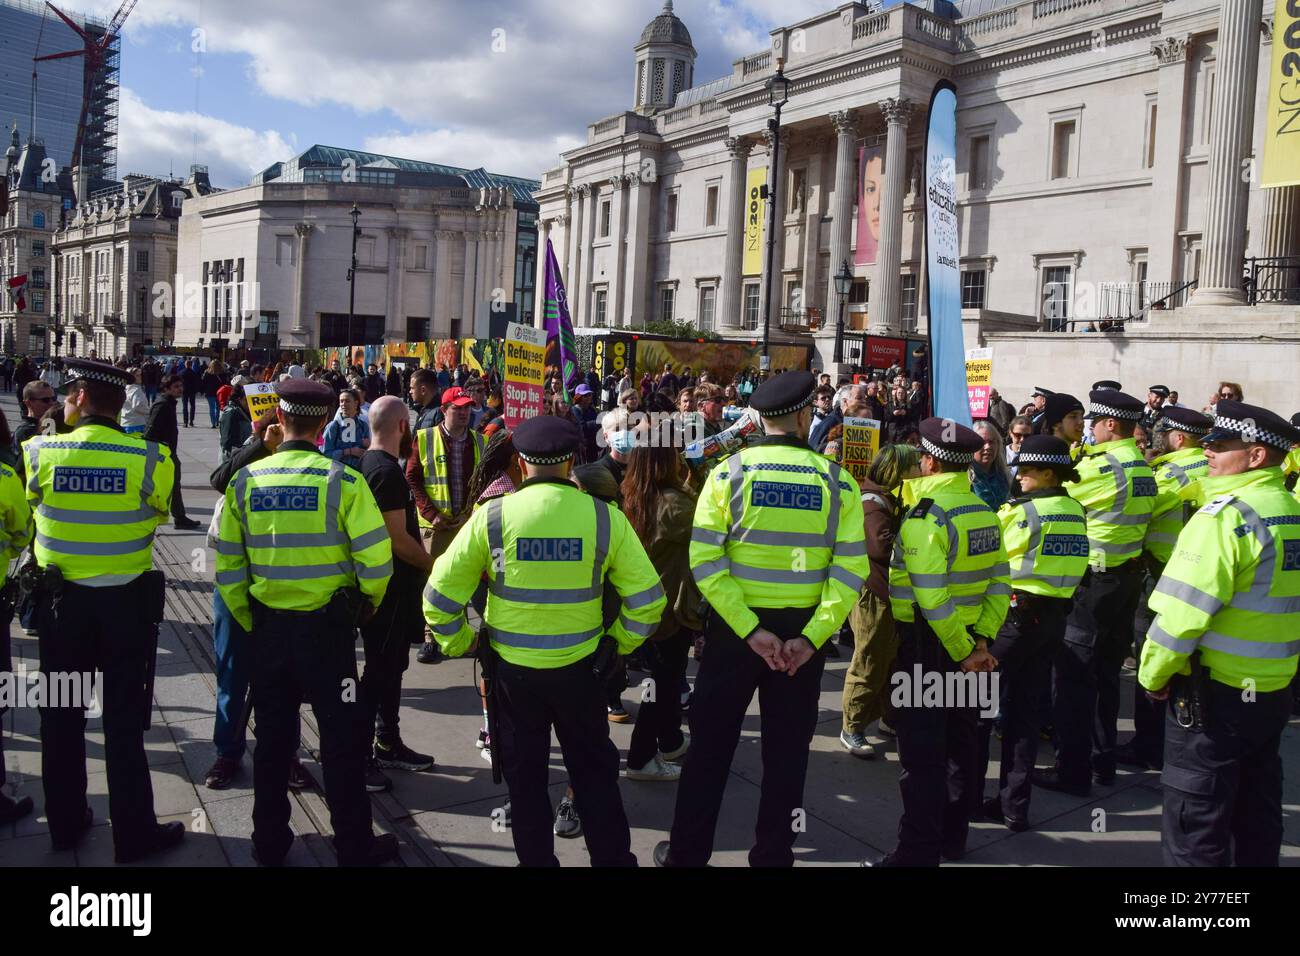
811,227
539,270
1164,258
729,298
572,267
580,300
886,304
640,197
394,313
440,313
301,333
1224,239
1281,236
614,295
470,278
845,123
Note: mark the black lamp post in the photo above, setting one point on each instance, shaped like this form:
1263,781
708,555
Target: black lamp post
843,284
352,278
778,94
142,300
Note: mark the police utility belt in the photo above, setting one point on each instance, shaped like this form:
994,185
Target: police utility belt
346,603
1190,697
48,585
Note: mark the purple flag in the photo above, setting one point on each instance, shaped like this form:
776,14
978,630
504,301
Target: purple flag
555,313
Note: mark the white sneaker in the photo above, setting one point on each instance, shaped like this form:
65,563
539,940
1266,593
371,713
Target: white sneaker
857,745
656,769
675,756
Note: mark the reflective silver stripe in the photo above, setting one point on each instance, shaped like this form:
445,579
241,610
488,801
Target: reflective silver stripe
771,576
1265,604
1161,537
333,493
928,580
736,476
1258,597
847,578
1202,601
378,571
1035,522
959,577
969,600
434,482
780,539
943,521
850,549
899,593
302,539
152,455
709,568
370,538
450,629
1259,650
637,627
441,601
95,517
231,548
833,513
107,580
998,588
1118,518
1051,580
602,546
944,611
105,548
705,536
34,456
542,642
643,598
496,545
544,595
1179,645
233,576
300,572
1112,547
241,486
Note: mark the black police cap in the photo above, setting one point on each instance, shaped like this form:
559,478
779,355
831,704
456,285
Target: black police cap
1177,418
1161,390
546,440
784,394
1107,383
1251,424
90,371
302,396
1039,390
1110,403
948,441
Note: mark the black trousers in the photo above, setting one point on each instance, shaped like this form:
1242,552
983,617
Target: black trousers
530,701
1029,640
1223,786
729,675
6,666
102,629
178,502
188,402
311,657
387,639
659,719
938,751
1087,668
1148,714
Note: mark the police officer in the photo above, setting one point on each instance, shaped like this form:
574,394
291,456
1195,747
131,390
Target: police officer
1117,491
779,551
15,534
949,589
548,550
1179,464
1223,648
98,494
303,555
1045,535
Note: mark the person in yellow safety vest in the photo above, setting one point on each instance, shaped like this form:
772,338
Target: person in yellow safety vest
1117,491
949,589
1224,646
548,550
98,495
303,557
779,551
1291,467
1179,464
1046,538
15,533
446,455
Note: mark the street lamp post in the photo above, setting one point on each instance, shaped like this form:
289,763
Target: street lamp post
142,300
352,278
843,284
778,93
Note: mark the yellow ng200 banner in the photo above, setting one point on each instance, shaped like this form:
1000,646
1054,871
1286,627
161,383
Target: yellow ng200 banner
755,220
1282,130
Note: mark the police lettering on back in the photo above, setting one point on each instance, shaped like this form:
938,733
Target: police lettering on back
90,481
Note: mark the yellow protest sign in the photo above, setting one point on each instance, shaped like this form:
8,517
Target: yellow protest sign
755,221
261,398
859,444
1282,121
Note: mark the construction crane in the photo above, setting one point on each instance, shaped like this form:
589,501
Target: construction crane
96,52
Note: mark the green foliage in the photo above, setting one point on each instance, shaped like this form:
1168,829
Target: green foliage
678,330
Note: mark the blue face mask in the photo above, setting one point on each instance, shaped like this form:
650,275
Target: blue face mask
622,442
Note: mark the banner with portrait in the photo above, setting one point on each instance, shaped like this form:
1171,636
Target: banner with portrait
871,185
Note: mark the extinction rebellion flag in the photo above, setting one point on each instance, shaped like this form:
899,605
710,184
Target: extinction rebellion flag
17,292
559,325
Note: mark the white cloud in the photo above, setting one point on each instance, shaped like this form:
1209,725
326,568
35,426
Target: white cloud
157,141
498,154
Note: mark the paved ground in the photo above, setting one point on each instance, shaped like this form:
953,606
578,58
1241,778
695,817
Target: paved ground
444,818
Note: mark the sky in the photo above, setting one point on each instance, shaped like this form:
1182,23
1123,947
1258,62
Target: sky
503,85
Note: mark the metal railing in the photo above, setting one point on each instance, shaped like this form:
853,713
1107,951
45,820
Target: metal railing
1272,279
800,320
1119,303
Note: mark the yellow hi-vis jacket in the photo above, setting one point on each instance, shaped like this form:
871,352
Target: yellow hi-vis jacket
778,525
547,550
1046,538
950,562
1231,588
98,495
431,447
1174,472
15,519
296,527
1117,491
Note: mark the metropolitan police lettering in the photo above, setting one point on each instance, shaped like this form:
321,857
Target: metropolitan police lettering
90,481
284,498
982,540
1065,546
1291,555
780,494
1144,487
548,549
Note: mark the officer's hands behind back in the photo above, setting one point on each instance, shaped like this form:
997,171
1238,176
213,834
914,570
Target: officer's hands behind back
769,647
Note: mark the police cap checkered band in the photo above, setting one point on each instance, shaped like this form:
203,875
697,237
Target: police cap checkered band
1036,458
98,372
1167,424
545,459
1106,411
306,409
784,394
790,409
1250,432
947,454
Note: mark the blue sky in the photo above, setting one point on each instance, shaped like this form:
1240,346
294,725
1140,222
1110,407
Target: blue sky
504,84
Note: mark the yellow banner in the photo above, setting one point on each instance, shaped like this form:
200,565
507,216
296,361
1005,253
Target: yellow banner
261,398
1282,123
755,221
859,445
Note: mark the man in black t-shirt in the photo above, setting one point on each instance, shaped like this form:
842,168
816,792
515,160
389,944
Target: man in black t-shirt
399,622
